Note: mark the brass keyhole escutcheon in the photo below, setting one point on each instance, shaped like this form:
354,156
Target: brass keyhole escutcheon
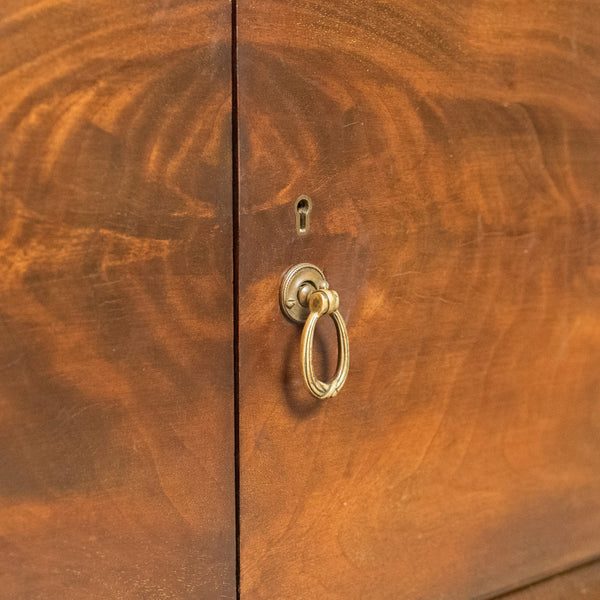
304,296
303,208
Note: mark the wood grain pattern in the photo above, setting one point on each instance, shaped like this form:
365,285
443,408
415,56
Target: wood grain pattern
116,392
451,151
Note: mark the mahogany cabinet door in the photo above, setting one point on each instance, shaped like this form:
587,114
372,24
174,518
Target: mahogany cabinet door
116,327
451,151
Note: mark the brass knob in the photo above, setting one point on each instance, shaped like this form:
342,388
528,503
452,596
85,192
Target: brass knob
305,296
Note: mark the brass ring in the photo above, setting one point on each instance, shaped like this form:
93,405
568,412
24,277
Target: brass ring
324,302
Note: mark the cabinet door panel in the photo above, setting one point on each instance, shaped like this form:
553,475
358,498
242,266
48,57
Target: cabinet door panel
116,360
451,152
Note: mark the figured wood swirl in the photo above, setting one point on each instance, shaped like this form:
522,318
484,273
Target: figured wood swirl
451,152
116,393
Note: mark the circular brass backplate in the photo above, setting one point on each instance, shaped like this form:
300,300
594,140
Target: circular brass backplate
293,281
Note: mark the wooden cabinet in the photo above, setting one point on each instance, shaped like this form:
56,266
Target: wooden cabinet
157,439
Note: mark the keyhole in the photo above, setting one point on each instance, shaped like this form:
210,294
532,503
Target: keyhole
303,208
302,212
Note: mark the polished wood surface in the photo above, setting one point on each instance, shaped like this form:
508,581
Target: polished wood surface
451,151
116,360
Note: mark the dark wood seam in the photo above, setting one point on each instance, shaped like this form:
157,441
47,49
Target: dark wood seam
236,295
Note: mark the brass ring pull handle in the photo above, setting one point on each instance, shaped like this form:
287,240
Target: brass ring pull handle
324,302
304,297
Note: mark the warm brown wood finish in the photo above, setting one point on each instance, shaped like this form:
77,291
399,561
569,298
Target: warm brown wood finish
582,583
116,399
452,153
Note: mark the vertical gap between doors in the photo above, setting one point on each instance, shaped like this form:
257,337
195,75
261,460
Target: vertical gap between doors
236,304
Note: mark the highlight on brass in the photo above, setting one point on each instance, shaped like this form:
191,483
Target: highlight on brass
303,208
304,296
